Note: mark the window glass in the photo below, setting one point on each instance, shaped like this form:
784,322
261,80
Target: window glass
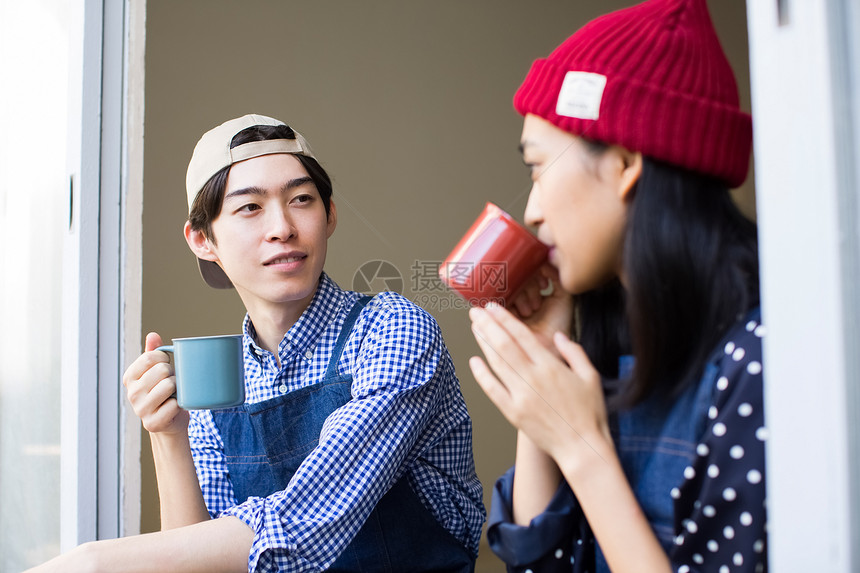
34,200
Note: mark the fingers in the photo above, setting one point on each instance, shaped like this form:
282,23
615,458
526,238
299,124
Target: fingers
151,398
154,387
514,331
165,418
522,304
575,357
150,385
153,341
150,381
529,298
502,351
549,274
145,361
158,382
499,360
492,386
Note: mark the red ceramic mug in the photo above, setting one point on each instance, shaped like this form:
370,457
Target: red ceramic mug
493,259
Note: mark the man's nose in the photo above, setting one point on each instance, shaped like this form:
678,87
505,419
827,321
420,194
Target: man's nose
279,227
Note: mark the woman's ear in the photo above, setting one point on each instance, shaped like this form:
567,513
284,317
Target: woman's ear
630,172
199,244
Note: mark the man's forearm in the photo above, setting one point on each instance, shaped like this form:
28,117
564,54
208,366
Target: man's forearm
178,489
216,546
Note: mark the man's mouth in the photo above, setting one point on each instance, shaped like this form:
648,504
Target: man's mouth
285,260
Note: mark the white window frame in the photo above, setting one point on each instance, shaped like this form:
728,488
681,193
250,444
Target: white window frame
100,442
804,59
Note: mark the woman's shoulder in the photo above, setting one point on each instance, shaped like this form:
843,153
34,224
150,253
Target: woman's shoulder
739,353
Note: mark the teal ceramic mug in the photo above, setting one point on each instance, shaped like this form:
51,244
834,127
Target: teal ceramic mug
210,373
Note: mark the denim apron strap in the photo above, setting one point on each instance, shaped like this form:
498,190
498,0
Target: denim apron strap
348,323
265,442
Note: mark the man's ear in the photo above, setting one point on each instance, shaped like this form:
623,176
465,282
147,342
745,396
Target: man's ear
199,244
332,219
630,172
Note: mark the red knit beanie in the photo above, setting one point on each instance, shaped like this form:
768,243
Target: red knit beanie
652,78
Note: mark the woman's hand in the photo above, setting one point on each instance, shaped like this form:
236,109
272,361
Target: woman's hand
544,314
150,385
557,403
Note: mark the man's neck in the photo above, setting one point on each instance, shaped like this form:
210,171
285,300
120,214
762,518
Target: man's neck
271,322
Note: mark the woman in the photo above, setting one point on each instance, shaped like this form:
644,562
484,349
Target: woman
640,445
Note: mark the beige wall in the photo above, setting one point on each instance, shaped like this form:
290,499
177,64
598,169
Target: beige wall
408,106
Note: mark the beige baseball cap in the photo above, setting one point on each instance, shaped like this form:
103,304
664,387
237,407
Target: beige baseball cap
213,153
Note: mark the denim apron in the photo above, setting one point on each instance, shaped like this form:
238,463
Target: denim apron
264,444
656,441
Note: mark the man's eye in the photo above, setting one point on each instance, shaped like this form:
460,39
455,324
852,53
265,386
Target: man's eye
249,207
303,198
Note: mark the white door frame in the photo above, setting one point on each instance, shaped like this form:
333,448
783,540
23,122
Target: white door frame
100,460
804,63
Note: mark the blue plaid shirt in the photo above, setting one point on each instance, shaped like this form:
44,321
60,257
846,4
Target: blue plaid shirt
406,417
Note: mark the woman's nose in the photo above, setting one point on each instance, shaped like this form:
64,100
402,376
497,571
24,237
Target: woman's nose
533,216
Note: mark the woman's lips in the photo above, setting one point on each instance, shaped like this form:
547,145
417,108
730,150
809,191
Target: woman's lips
552,256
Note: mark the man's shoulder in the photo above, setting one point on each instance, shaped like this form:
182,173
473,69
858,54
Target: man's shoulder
392,305
383,304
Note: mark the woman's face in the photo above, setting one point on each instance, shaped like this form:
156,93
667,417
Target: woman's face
578,202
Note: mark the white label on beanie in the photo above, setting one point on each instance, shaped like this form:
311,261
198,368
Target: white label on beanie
580,95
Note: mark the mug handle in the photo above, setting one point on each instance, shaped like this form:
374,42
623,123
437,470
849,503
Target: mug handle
167,348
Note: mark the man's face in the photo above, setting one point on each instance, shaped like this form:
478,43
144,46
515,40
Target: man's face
272,232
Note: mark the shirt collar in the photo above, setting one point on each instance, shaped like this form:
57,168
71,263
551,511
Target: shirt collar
303,336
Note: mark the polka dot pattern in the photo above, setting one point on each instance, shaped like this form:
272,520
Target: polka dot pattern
709,511
728,484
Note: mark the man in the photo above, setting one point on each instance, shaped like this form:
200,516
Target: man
353,449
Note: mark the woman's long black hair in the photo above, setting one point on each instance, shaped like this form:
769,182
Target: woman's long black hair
691,271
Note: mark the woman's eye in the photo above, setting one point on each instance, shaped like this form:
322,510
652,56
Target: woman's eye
249,207
302,199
